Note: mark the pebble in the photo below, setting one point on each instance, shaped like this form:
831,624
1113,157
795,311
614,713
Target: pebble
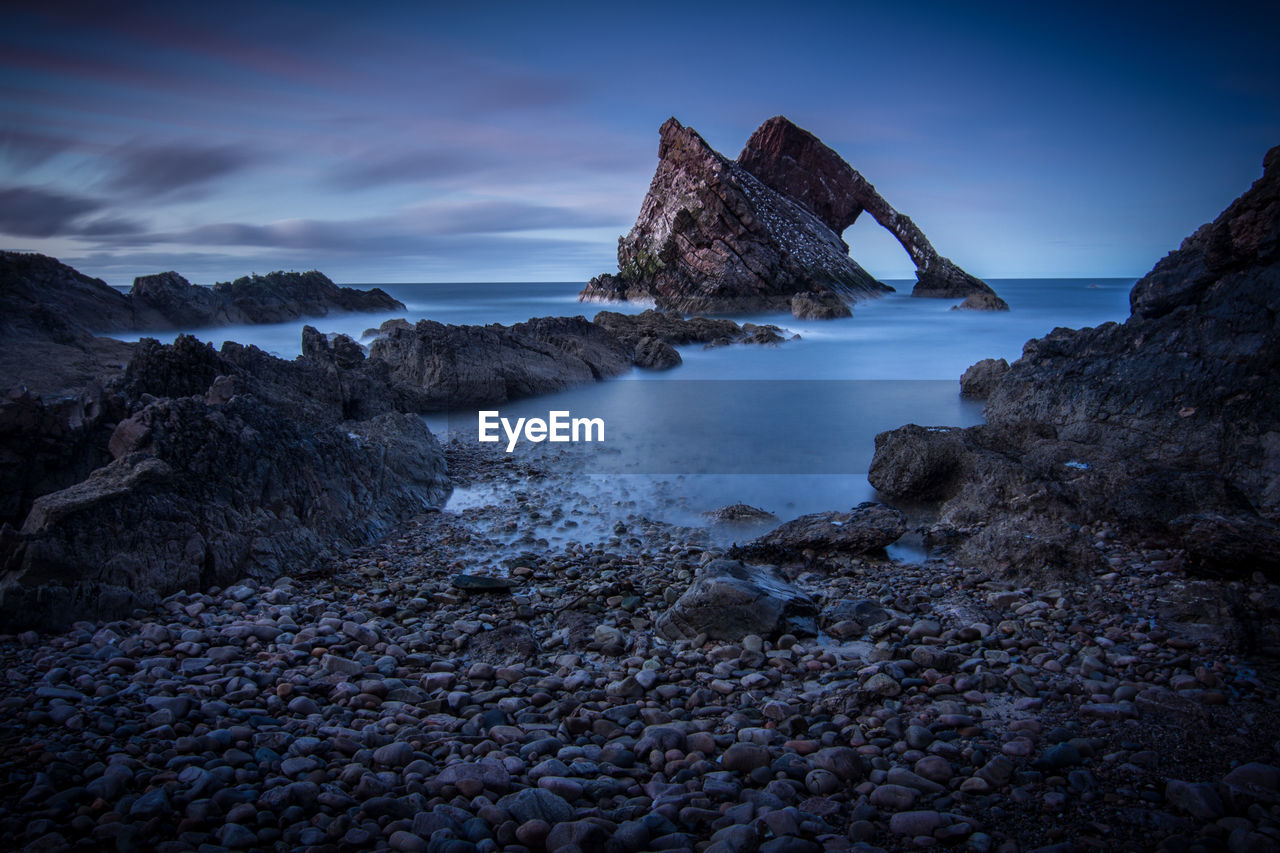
380,705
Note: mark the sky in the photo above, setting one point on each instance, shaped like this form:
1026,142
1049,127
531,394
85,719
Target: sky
514,141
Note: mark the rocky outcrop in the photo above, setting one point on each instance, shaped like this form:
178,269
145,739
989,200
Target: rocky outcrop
273,298
655,354
796,164
1165,428
204,494
866,529
673,329
724,236
712,237
729,600
980,378
280,296
460,366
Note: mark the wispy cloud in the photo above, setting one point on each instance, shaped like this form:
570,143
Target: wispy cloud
187,169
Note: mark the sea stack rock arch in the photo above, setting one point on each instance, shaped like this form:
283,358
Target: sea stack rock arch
762,232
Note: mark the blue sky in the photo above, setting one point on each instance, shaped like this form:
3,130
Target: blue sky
514,141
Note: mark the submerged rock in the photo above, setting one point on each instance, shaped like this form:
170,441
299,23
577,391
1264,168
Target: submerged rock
818,305
982,301
740,514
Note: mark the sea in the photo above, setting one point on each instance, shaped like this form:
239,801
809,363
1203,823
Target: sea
789,429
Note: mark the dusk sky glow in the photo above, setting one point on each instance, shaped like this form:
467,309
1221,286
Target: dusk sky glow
514,141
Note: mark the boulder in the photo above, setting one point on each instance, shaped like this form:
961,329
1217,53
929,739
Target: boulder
729,600
866,529
655,354
713,237
740,514
981,301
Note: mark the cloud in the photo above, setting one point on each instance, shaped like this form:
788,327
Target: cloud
34,212
158,170
37,212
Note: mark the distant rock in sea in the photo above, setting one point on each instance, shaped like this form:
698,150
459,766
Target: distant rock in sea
1161,429
761,233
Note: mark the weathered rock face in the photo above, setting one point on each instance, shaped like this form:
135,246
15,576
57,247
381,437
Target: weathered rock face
711,237
226,464
459,366
655,354
794,162
720,235
980,377
182,304
729,600
1167,426
204,494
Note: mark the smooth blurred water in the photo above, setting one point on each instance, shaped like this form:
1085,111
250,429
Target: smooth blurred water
788,428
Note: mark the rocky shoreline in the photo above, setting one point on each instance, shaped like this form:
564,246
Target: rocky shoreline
377,703
243,616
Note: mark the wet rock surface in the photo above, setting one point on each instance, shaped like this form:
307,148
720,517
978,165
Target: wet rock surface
372,703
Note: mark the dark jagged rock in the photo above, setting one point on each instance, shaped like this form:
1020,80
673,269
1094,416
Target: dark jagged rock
655,354
1164,425
42,297
866,529
203,495
45,447
280,296
669,328
182,304
226,463
459,366
712,237
978,380
48,314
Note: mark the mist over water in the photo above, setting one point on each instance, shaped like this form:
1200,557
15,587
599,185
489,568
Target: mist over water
787,428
